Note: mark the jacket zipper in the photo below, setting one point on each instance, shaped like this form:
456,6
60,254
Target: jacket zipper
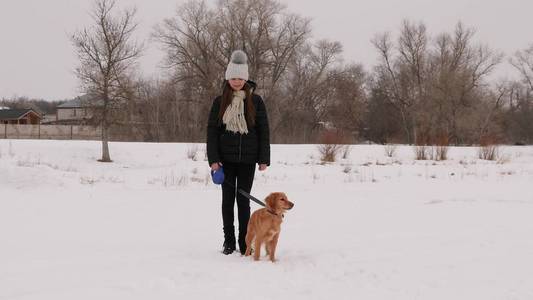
240,143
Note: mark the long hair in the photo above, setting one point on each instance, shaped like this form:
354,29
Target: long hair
227,97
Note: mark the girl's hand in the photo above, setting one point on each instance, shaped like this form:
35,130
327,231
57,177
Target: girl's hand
262,167
215,166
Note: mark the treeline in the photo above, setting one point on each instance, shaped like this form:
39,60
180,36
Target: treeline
425,89
435,89
40,105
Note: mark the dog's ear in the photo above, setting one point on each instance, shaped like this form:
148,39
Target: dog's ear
271,201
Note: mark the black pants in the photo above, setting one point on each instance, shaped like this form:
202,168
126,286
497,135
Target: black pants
240,175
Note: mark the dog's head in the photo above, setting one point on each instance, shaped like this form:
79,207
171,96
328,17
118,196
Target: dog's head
278,202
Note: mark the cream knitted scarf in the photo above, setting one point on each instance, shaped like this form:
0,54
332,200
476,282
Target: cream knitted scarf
234,115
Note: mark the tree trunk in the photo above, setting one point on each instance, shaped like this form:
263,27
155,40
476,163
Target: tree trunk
406,126
105,146
105,134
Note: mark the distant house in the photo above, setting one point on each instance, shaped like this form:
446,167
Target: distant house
75,111
48,119
19,116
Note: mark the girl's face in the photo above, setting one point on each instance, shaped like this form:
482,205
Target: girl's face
236,83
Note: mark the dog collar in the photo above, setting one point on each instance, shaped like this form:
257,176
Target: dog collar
282,215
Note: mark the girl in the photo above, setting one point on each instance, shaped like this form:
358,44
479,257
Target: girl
237,139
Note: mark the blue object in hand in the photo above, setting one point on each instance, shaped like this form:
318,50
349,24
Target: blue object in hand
218,175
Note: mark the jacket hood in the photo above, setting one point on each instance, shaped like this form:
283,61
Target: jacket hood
252,84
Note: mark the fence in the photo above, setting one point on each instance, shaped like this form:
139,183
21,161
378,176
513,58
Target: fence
60,132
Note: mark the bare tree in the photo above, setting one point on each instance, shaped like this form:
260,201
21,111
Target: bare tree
520,103
190,41
460,69
493,105
349,100
307,90
434,86
523,62
382,122
402,73
107,55
149,110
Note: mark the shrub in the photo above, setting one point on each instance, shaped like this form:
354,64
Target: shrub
331,143
488,152
192,151
488,149
390,150
421,152
440,151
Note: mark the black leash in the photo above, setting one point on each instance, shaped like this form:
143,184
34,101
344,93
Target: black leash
245,194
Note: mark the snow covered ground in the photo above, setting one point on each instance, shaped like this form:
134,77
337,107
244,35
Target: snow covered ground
148,225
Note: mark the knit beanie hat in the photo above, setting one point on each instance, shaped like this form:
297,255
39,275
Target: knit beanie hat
238,66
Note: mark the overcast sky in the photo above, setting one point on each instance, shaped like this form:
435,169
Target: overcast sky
37,59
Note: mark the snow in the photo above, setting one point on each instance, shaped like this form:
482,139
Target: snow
148,225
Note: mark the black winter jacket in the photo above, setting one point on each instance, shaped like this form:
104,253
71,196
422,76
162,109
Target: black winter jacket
227,146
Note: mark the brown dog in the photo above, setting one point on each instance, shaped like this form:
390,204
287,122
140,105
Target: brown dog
265,225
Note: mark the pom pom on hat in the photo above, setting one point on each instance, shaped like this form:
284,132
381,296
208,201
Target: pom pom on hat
239,57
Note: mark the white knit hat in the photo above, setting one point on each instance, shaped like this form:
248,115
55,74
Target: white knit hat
238,66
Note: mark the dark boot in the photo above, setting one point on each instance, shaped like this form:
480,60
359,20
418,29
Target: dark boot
229,241
228,248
